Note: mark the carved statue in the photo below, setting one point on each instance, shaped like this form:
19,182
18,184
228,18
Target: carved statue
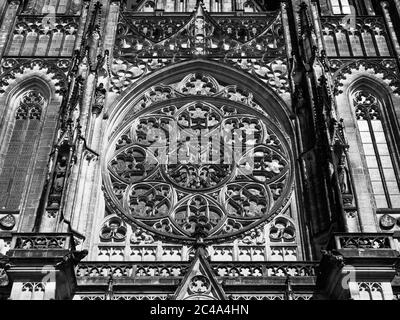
255,237
99,97
59,173
343,179
141,237
61,168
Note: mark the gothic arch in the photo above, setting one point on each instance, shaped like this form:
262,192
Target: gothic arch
371,82
373,110
383,89
36,132
383,72
264,95
13,92
9,104
379,87
390,100
52,74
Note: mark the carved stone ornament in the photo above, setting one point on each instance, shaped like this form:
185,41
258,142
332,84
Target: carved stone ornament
199,285
7,222
54,70
99,98
255,237
139,236
113,230
385,69
282,230
199,282
387,222
253,43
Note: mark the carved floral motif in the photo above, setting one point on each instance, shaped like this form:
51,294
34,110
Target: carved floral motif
12,68
384,69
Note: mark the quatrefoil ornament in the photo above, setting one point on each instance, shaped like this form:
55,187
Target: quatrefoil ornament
199,285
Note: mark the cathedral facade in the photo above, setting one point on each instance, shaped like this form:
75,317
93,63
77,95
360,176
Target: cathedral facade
199,150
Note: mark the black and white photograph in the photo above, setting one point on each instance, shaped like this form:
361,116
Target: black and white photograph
199,157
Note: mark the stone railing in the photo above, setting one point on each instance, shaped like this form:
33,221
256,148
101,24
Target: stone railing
121,297
42,241
362,241
137,270
265,269
130,270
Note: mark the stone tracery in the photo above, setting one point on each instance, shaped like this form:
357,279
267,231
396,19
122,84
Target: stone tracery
198,167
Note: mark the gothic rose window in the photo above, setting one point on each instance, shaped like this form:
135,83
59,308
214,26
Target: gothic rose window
198,166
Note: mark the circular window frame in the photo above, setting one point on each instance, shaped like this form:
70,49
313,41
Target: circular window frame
115,206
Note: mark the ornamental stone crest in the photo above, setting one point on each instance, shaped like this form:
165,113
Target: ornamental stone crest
145,43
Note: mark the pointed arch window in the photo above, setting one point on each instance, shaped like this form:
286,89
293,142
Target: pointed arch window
340,7
20,149
378,153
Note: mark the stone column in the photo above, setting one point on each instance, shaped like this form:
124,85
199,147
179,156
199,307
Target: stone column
87,207
389,23
98,138
317,21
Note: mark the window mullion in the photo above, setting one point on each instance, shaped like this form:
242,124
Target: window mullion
392,147
378,160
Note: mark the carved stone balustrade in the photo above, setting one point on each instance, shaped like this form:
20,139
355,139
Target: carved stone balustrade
102,271
40,244
265,269
122,297
42,261
353,259
41,35
168,276
344,242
